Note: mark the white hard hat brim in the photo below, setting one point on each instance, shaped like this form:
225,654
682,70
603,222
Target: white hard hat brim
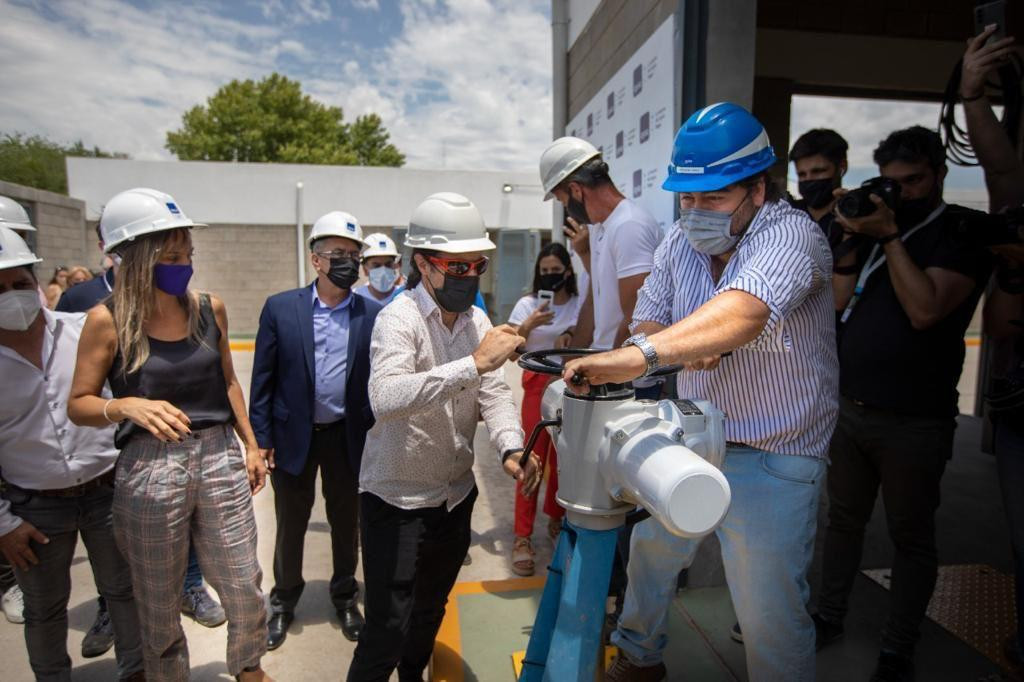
21,227
460,246
336,233
19,262
163,228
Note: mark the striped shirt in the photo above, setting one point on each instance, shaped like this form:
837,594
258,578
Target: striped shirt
780,391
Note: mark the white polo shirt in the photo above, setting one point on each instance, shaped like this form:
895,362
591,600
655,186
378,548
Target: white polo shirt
620,247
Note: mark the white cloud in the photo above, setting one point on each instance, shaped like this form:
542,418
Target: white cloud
366,4
465,83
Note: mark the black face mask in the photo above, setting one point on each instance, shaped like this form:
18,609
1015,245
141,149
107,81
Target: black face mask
555,281
457,294
344,272
912,211
577,210
817,193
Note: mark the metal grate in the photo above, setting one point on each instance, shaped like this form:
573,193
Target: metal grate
974,602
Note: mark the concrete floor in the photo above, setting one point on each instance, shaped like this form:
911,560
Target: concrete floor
970,521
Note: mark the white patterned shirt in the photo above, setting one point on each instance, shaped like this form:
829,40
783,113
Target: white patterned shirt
427,398
780,391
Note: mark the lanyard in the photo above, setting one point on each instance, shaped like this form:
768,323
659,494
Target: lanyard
870,265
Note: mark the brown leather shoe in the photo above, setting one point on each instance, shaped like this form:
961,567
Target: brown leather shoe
623,670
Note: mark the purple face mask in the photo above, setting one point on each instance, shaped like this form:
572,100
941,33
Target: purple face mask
172,279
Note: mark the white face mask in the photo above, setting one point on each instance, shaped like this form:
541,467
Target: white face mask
383,279
19,309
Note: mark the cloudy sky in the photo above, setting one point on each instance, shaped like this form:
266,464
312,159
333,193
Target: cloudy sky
465,83
459,83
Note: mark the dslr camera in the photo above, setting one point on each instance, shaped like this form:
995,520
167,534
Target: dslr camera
857,204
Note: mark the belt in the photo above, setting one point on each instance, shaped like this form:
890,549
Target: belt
328,425
76,490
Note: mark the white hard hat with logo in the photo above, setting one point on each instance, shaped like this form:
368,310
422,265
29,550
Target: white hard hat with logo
137,212
561,158
14,216
336,224
450,223
379,244
14,252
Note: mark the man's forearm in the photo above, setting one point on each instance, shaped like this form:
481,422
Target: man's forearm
728,321
914,288
1004,172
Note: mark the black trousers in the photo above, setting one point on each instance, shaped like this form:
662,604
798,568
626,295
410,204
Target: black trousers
411,558
293,502
905,456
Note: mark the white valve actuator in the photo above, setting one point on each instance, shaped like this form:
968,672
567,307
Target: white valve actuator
664,456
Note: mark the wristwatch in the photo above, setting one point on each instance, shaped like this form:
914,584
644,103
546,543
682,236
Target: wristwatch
647,348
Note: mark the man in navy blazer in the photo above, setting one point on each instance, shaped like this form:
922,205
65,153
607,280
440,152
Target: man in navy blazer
309,409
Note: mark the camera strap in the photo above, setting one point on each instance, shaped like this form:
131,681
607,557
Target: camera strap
870,265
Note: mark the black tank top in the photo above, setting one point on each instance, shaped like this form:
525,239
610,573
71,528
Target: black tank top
186,374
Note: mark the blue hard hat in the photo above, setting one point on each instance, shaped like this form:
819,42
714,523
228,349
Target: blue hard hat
717,146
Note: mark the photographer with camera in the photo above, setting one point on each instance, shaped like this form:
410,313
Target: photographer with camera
1004,304
819,159
904,311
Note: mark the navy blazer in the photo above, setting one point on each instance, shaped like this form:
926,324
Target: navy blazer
83,296
281,395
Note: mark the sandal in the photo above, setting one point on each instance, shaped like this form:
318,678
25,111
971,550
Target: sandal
522,557
554,529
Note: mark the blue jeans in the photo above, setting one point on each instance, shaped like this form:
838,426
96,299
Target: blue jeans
767,542
47,585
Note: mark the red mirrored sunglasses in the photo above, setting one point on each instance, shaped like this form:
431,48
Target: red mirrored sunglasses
460,268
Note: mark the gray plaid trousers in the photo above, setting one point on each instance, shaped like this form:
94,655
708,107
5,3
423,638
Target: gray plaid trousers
166,493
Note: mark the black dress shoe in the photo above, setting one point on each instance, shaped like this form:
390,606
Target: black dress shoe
893,667
825,631
351,622
277,629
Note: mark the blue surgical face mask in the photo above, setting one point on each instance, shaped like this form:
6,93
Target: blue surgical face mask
383,278
709,232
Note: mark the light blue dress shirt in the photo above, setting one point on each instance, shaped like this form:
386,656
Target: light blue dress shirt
330,346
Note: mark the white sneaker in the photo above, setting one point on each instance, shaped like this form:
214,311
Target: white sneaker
14,605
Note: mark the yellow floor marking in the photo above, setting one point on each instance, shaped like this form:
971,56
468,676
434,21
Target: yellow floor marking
446,664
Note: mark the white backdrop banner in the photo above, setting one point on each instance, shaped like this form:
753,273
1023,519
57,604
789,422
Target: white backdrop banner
632,121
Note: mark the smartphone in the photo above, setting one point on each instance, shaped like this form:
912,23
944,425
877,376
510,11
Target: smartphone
545,296
989,13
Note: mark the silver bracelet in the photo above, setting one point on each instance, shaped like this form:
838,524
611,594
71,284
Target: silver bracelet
105,415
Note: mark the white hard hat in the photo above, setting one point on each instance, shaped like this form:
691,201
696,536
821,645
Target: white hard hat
13,215
448,222
336,224
561,158
14,252
137,212
379,244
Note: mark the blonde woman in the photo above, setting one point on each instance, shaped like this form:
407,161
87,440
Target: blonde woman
181,475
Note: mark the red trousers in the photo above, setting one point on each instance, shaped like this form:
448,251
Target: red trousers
526,508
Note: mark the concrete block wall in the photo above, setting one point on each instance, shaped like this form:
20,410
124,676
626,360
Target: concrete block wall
243,265
62,236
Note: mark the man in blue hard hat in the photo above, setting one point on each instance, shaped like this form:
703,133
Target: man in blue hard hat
747,274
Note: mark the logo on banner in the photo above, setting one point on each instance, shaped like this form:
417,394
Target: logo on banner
638,183
611,104
618,144
645,127
638,80
590,125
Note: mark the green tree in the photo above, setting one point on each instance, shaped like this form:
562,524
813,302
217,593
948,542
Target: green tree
37,162
273,121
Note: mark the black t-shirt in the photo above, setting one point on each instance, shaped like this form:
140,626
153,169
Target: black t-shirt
833,230
885,362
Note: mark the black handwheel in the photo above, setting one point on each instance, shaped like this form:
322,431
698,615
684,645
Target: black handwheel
541,362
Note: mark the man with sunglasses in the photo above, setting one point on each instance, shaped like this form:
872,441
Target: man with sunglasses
436,369
743,273
309,409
